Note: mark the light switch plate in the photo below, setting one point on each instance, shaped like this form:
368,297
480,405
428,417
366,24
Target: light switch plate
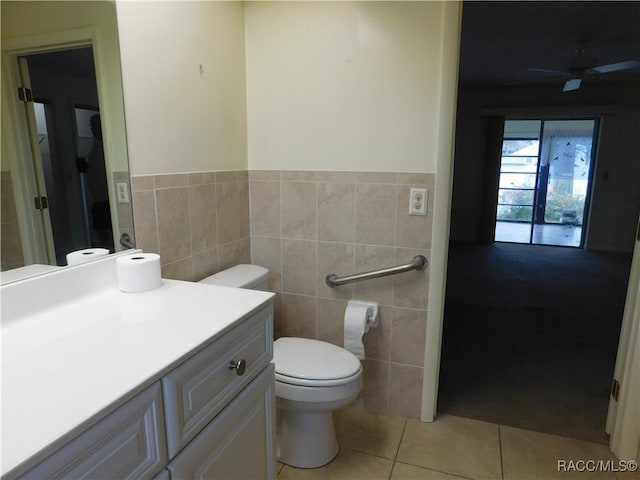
418,201
123,192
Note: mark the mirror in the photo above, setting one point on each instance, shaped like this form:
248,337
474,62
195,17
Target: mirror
64,165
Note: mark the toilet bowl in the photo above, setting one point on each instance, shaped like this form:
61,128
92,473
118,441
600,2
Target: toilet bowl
313,378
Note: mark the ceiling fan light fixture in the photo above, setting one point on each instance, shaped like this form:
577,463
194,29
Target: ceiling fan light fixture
572,84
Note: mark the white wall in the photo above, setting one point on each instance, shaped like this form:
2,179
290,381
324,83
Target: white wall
180,119
344,85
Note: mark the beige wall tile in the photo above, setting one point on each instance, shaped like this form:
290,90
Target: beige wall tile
347,464
278,324
267,252
373,257
368,432
145,221
414,231
171,181
375,389
228,211
375,214
377,341
11,247
334,258
454,445
336,177
243,208
265,201
202,178
530,455
202,201
205,264
408,336
298,315
8,212
228,176
376,177
299,267
264,175
174,231
294,176
180,270
330,320
299,210
125,215
336,212
142,183
416,179
411,289
405,390
234,253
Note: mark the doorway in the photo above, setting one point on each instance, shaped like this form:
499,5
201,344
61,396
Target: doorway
68,155
545,181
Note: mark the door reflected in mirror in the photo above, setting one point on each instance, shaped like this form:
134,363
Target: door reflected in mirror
59,177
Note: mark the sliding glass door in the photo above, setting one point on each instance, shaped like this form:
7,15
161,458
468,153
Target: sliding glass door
545,178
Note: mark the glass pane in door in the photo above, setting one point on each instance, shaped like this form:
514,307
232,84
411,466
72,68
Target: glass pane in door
567,151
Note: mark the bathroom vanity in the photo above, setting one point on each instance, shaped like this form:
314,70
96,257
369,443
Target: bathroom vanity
172,383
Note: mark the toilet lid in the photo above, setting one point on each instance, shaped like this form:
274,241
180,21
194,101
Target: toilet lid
308,359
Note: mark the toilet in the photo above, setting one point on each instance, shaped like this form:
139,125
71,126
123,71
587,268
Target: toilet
313,378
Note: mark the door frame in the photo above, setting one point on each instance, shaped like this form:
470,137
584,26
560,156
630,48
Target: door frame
624,411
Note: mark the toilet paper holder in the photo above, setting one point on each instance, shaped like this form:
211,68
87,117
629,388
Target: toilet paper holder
373,314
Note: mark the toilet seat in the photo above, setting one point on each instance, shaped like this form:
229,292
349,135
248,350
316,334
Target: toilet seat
313,363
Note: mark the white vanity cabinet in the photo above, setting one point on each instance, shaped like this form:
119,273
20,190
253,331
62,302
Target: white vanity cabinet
239,443
128,443
208,414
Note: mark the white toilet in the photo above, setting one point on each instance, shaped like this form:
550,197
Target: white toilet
313,378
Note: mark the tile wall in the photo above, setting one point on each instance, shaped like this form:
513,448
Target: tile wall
124,212
11,248
197,222
302,226
305,225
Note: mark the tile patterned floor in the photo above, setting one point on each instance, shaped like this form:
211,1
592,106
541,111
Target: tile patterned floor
376,446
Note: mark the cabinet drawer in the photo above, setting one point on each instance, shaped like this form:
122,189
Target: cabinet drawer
240,442
197,390
128,443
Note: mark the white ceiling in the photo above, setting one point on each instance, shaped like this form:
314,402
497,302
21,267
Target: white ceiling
501,40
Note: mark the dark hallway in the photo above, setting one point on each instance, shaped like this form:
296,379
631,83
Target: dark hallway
530,336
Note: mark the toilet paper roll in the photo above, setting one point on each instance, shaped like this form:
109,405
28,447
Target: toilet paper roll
139,272
86,255
355,326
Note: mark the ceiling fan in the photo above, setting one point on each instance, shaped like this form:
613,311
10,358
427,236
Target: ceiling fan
574,76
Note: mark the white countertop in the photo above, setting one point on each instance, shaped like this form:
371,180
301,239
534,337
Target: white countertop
66,366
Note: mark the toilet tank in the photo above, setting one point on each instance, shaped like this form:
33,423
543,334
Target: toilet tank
241,276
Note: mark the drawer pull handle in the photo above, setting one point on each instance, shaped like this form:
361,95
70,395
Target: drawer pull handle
239,366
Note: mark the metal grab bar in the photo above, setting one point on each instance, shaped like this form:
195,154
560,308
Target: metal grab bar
417,263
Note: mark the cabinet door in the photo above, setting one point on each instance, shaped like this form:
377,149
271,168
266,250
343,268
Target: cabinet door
128,443
240,442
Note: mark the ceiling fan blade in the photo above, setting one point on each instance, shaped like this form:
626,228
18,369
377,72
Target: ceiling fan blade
614,67
544,70
572,84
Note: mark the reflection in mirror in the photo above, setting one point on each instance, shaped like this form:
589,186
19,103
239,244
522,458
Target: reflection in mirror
63,143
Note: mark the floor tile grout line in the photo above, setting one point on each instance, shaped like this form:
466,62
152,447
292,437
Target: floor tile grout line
404,428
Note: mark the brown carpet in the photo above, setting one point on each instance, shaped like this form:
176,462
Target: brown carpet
530,336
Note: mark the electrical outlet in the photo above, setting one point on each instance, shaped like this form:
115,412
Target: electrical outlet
123,192
418,201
